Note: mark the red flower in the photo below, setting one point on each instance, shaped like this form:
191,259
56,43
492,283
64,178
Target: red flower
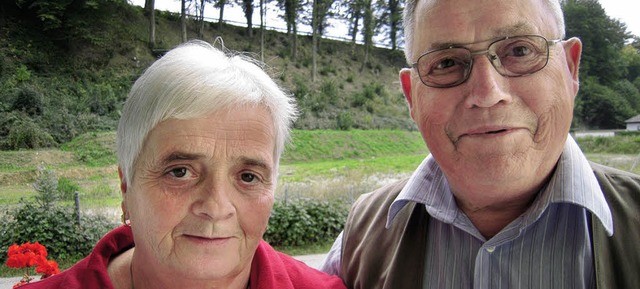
28,255
47,268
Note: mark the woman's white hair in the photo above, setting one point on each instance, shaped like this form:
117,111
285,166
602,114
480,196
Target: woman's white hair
409,23
190,81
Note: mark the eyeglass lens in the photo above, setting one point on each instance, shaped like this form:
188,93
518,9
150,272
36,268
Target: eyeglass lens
511,57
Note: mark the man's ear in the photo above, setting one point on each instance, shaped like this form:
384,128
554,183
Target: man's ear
573,50
405,81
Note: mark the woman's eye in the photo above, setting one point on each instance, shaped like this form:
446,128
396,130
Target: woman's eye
248,177
178,172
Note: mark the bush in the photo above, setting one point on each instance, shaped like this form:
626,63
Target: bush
25,133
52,225
344,121
55,228
304,222
28,100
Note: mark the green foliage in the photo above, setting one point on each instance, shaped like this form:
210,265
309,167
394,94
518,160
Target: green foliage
329,92
46,185
619,144
310,145
345,122
630,93
21,131
602,39
52,225
29,101
67,188
305,221
598,106
93,149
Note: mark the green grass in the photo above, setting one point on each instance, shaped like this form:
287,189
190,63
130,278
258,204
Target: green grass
306,250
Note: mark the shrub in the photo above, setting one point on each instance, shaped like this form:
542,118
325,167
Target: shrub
55,228
28,100
52,225
305,221
25,133
329,90
344,121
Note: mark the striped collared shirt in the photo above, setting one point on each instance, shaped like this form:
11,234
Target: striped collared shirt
549,246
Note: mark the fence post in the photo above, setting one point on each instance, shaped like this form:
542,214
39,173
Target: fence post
77,199
286,192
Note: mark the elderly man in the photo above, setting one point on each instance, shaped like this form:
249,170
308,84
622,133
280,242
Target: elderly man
506,199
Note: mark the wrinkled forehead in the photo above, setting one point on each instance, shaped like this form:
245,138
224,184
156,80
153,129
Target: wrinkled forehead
442,22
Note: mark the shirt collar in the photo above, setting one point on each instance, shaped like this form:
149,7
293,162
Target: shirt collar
572,182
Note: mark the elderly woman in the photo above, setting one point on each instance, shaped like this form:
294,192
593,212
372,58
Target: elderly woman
199,144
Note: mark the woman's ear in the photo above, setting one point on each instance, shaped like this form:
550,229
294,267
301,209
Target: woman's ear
123,204
123,181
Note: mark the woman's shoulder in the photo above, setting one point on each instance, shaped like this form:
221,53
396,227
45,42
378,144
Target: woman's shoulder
273,264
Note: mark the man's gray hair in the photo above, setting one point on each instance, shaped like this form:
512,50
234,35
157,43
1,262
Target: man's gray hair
409,23
191,81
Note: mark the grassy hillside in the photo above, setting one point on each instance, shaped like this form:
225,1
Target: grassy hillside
345,158
59,80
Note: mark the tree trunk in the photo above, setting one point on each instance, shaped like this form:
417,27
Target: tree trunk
201,19
222,3
368,23
262,19
294,48
314,38
149,6
183,20
248,13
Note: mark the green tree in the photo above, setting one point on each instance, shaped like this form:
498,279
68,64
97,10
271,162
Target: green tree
631,61
392,16
602,39
600,107
247,8
630,93
292,9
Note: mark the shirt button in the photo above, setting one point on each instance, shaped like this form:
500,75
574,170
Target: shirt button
491,249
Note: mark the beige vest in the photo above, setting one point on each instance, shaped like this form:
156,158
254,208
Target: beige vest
375,257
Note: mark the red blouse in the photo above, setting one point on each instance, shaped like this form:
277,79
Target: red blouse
269,269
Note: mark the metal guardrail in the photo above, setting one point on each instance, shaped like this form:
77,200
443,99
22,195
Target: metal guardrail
284,30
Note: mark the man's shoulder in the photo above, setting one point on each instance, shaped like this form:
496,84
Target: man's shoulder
602,170
617,183
383,195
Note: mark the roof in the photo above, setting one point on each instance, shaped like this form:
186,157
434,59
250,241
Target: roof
633,119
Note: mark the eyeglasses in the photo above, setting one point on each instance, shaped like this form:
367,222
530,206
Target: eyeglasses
511,56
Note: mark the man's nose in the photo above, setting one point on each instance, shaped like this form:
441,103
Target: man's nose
487,85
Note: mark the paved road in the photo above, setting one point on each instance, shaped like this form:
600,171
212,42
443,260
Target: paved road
312,260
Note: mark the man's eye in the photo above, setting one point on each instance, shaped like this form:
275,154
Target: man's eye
445,63
520,51
178,172
248,177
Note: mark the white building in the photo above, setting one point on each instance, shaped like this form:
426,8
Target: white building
633,124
